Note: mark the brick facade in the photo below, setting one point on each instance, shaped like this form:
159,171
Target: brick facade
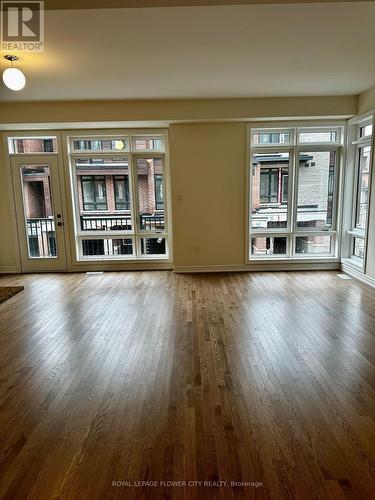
37,195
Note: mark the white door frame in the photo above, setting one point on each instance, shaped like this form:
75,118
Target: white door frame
37,264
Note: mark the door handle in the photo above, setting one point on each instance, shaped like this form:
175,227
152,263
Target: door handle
60,224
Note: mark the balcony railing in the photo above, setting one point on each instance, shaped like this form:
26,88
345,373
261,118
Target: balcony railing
41,237
121,223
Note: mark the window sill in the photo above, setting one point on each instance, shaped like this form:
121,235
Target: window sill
354,263
308,259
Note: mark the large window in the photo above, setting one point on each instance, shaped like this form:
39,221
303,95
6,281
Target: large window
358,180
293,192
119,202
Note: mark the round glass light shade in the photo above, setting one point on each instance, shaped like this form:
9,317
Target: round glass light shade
14,79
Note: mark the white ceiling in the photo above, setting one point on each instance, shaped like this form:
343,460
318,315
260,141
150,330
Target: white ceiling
199,52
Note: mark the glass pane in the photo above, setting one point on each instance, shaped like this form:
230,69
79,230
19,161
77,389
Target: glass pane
318,136
122,192
359,248
272,245
363,187
101,144
316,190
38,207
319,244
153,246
150,193
268,138
103,189
148,144
107,247
33,145
366,130
269,201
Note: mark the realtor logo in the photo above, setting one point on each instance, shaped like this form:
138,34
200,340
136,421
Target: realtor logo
22,26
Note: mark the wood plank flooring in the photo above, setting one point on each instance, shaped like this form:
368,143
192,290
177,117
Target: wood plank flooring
266,380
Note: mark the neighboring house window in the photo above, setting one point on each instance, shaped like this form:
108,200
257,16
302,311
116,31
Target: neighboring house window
159,199
121,187
48,145
94,192
284,186
269,186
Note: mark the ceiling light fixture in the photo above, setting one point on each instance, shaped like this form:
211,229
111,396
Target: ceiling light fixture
13,78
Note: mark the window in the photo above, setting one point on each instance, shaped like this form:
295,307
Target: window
319,136
122,196
316,189
358,193
284,186
148,144
119,199
366,130
269,245
159,201
94,193
269,137
101,144
147,170
270,190
30,145
359,248
293,192
362,187
269,186
313,245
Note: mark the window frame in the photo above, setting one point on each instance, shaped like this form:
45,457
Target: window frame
99,137
350,232
135,234
156,177
25,136
292,231
270,150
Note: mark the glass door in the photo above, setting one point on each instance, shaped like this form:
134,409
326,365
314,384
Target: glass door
40,221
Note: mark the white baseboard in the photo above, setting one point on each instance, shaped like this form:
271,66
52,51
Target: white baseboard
8,270
261,266
358,274
121,266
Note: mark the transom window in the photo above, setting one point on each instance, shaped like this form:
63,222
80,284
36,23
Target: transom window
293,192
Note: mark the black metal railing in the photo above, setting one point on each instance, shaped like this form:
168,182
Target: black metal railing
106,223
41,237
121,223
110,247
152,222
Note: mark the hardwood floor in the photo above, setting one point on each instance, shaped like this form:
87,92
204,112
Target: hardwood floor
148,376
